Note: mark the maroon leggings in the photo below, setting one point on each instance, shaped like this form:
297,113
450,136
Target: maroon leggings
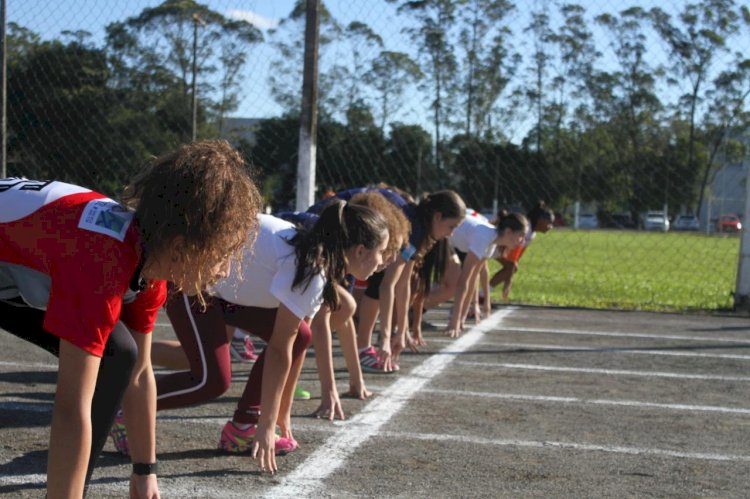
203,336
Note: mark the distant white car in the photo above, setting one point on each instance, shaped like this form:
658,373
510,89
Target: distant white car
587,221
656,220
686,222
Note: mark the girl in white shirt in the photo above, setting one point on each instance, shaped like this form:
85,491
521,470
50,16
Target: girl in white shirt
475,241
342,321
284,277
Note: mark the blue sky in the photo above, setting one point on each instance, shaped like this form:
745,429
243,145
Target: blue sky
51,17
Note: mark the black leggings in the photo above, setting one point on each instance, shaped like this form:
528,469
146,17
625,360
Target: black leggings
114,371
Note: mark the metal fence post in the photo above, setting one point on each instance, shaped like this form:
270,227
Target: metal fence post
742,292
309,117
3,94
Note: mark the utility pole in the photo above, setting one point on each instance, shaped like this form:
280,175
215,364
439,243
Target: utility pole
196,20
308,132
3,94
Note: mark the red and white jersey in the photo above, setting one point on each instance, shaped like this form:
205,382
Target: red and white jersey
74,253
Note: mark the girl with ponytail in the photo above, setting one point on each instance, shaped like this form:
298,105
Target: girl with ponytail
475,241
283,279
342,320
432,220
541,220
287,277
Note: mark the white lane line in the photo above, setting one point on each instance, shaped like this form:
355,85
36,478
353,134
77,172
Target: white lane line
611,372
583,349
639,404
184,486
618,334
546,444
577,400
306,479
33,365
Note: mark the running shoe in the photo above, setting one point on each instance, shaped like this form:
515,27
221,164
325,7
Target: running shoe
301,393
371,363
236,441
243,350
120,435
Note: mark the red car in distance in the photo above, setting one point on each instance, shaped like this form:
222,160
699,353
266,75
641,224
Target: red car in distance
729,223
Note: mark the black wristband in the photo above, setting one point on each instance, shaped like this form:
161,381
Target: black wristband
145,468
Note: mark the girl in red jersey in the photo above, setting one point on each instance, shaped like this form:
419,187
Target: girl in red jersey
82,276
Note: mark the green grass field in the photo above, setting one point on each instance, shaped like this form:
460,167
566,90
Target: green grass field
628,270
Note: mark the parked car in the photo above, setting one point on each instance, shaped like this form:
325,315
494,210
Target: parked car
587,221
621,220
656,220
729,223
686,222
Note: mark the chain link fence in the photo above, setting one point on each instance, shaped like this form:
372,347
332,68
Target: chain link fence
613,113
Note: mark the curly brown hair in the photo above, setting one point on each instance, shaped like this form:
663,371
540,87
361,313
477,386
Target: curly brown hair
399,227
202,192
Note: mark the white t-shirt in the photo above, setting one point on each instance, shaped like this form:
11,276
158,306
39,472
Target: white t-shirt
267,273
475,235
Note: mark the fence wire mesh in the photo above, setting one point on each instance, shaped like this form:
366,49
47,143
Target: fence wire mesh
611,112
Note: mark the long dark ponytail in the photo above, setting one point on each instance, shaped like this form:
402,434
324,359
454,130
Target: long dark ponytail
540,211
431,257
321,250
516,222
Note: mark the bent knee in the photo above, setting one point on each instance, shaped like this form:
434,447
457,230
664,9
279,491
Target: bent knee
304,336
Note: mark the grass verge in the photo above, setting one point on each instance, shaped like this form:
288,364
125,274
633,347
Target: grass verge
672,271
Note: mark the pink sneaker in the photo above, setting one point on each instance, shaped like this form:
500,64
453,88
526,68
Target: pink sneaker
120,435
371,363
243,350
236,441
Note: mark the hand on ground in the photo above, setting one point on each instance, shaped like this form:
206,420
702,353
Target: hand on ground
264,449
358,391
330,407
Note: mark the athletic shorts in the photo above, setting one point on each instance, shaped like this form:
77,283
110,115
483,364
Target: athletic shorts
460,254
373,285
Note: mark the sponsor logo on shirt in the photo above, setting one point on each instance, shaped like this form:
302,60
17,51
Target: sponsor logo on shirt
107,217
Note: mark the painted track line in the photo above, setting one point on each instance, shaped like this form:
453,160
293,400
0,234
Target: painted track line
610,372
619,334
638,404
666,351
48,366
544,444
42,407
306,479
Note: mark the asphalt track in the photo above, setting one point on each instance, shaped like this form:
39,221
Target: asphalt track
533,402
